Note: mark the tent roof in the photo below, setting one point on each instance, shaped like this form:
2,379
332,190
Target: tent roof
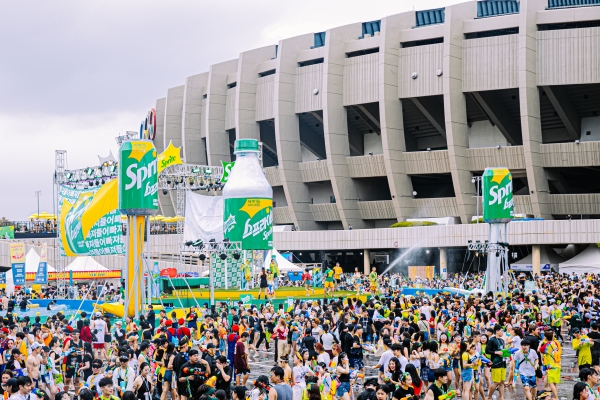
586,261
283,264
86,263
32,260
547,256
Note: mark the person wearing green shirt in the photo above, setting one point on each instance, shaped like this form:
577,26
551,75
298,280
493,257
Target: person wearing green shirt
275,271
246,275
328,283
556,316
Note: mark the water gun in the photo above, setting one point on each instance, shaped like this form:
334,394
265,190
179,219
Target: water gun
506,353
450,321
194,371
262,386
485,360
448,396
369,347
38,393
355,373
211,381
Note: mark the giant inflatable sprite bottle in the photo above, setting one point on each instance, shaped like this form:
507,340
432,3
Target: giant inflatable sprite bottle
248,200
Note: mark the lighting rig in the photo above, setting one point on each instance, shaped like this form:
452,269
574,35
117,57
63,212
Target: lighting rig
210,250
90,176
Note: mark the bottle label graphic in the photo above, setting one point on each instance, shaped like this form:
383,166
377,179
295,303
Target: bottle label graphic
498,205
249,221
138,178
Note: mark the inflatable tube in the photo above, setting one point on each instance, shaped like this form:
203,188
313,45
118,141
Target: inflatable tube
117,309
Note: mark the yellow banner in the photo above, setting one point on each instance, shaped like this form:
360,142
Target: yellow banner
17,253
171,156
427,272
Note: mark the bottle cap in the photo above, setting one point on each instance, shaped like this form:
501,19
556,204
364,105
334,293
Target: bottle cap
242,145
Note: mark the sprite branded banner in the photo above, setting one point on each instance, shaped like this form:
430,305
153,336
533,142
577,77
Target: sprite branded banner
7,232
249,221
498,205
227,166
41,276
138,178
89,221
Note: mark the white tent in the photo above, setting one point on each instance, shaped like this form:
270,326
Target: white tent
85,264
32,260
549,260
586,261
283,264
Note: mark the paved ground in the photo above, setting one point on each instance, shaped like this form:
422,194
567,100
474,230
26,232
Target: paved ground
568,375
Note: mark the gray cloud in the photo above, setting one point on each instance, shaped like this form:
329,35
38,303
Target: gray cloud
73,74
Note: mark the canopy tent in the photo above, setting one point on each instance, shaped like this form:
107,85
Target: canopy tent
283,264
32,260
586,261
549,260
85,264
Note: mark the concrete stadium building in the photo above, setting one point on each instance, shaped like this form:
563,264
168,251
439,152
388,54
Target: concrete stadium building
382,121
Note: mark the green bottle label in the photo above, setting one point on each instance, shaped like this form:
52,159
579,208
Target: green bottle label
249,221
498,204
138,178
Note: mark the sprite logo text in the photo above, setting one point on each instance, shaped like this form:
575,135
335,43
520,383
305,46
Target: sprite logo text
498,193
137,175
250,221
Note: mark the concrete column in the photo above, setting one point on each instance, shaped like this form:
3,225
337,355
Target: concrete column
213,120
173,113
164,201
193,151
366,262
335,124
287,131
443,263
245,96
535,259
455,109
529,99
390,113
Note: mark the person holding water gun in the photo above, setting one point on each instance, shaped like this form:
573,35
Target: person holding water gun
439,390
525,363
551,352
495,348
582,344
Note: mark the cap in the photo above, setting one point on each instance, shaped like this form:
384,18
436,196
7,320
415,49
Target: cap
210,346
123,358
45,349
243,145
98,314
35,345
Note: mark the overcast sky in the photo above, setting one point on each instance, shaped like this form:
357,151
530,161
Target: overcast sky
74,74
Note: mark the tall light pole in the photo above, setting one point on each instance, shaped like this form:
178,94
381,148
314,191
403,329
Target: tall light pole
477,181
37,194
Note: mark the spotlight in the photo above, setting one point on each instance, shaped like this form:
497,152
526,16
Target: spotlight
207,171
110,162
198,243
113,168
196,170
68,175
202,257
188,243
236,255
168,181
105,164
414,193
497,253
89,171
90,183
223,256
165,192
476,254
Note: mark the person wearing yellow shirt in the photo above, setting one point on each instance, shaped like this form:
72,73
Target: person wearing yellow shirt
551,352
337,274
582,344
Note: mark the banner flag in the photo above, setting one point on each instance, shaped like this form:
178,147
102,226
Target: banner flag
17,261
89,220
42,272
226,170
171,156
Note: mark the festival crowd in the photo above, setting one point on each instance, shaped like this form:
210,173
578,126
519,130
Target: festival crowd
436,346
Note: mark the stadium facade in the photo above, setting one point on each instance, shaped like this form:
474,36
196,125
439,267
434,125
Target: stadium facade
382,121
